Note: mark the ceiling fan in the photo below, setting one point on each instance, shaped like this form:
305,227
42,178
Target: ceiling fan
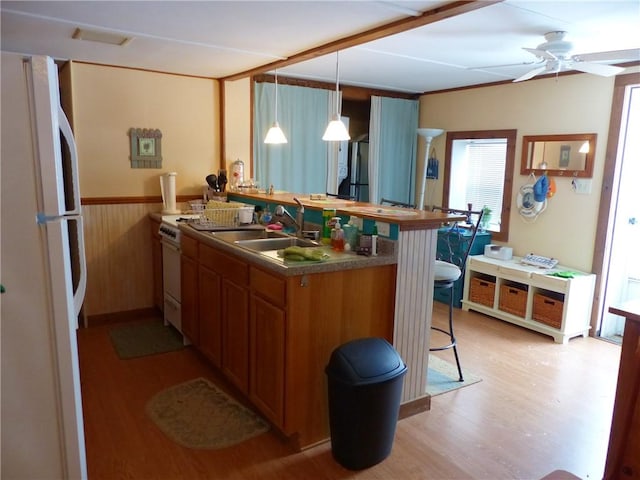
554,57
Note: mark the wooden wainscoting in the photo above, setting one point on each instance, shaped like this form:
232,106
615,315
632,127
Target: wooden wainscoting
118,251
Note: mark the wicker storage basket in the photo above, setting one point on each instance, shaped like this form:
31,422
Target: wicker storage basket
223,213
513,299
548,310
482,291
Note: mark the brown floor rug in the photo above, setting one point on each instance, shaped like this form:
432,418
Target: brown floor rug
197,414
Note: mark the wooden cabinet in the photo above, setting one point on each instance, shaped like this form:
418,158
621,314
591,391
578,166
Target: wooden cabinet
520,293
210,314
189,289
225,318
271,335
156,257
235,334
267,352
623,456
266,390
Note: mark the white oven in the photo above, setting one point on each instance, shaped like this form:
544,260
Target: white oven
170,235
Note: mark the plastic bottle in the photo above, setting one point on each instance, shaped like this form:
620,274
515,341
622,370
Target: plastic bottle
337,236
374,241
327,216
351,234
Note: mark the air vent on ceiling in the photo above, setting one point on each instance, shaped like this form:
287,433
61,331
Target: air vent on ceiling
101,37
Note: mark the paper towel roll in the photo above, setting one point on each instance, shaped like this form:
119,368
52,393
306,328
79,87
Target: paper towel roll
168,190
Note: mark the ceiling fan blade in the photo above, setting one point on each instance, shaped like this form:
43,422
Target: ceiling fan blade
541,53
531,74
503,65
619,55
596,68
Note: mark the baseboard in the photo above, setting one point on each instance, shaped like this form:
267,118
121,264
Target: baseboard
414,407
121,317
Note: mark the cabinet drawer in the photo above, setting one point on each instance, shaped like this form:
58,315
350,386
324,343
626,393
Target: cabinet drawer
478,265
543,280
229,267
270,287
189,247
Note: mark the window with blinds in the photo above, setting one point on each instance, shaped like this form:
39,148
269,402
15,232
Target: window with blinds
477,173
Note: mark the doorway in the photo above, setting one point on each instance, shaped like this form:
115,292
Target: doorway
618,235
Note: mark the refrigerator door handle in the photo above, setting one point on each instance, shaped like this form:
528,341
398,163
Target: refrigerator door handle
78,295
67,133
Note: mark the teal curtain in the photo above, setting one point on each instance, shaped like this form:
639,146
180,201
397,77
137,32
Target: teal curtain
393,136
299,166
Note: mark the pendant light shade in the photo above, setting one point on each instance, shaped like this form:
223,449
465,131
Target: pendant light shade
275,134
336,130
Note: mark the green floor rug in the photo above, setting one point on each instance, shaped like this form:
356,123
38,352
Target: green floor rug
442,377
144,338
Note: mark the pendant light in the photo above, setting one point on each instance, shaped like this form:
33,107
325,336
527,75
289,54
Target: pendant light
336,131
275,134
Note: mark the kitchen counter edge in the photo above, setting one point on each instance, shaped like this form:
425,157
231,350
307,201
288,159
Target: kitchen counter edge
351,262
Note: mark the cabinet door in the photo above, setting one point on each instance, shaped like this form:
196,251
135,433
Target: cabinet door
189,300
235,334
209,315
267,359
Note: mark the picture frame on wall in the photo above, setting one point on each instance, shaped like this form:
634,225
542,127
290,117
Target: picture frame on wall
146,148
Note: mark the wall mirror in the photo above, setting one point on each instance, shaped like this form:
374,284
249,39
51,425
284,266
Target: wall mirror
559,155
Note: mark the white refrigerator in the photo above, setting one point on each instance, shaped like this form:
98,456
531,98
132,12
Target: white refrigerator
43,272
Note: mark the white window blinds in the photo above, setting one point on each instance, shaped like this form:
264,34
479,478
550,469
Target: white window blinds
478,169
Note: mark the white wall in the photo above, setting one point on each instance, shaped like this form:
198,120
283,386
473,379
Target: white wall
569,104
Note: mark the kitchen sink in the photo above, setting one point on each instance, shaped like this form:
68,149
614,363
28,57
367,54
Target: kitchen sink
266,244
232,236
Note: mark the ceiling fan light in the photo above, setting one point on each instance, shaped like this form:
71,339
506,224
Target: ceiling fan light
275,135
336,131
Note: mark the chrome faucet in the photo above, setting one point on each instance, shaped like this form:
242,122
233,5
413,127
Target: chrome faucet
285,217
299,217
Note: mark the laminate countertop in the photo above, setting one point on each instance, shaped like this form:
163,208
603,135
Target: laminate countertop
405,218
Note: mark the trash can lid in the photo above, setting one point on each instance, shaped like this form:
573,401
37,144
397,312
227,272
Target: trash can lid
365,360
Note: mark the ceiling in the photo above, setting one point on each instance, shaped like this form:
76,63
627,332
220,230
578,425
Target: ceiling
221,39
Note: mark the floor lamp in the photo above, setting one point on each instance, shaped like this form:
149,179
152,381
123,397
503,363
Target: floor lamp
428,134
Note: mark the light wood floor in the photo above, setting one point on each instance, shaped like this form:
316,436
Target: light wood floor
540,407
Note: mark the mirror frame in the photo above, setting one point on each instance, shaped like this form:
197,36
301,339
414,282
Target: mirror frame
586,172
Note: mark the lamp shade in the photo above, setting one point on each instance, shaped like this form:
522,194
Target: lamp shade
275,135
336,131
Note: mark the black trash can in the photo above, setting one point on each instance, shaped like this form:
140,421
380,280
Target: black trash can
365,387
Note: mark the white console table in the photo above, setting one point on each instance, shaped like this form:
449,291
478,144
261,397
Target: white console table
571,297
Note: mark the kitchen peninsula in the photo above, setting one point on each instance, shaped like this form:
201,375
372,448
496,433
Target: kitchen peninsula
284,320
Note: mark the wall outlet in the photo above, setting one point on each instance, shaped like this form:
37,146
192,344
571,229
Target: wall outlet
384,229
581,185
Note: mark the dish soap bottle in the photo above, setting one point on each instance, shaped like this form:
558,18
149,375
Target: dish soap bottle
337,236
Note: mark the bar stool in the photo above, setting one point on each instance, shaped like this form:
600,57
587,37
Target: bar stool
454,244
